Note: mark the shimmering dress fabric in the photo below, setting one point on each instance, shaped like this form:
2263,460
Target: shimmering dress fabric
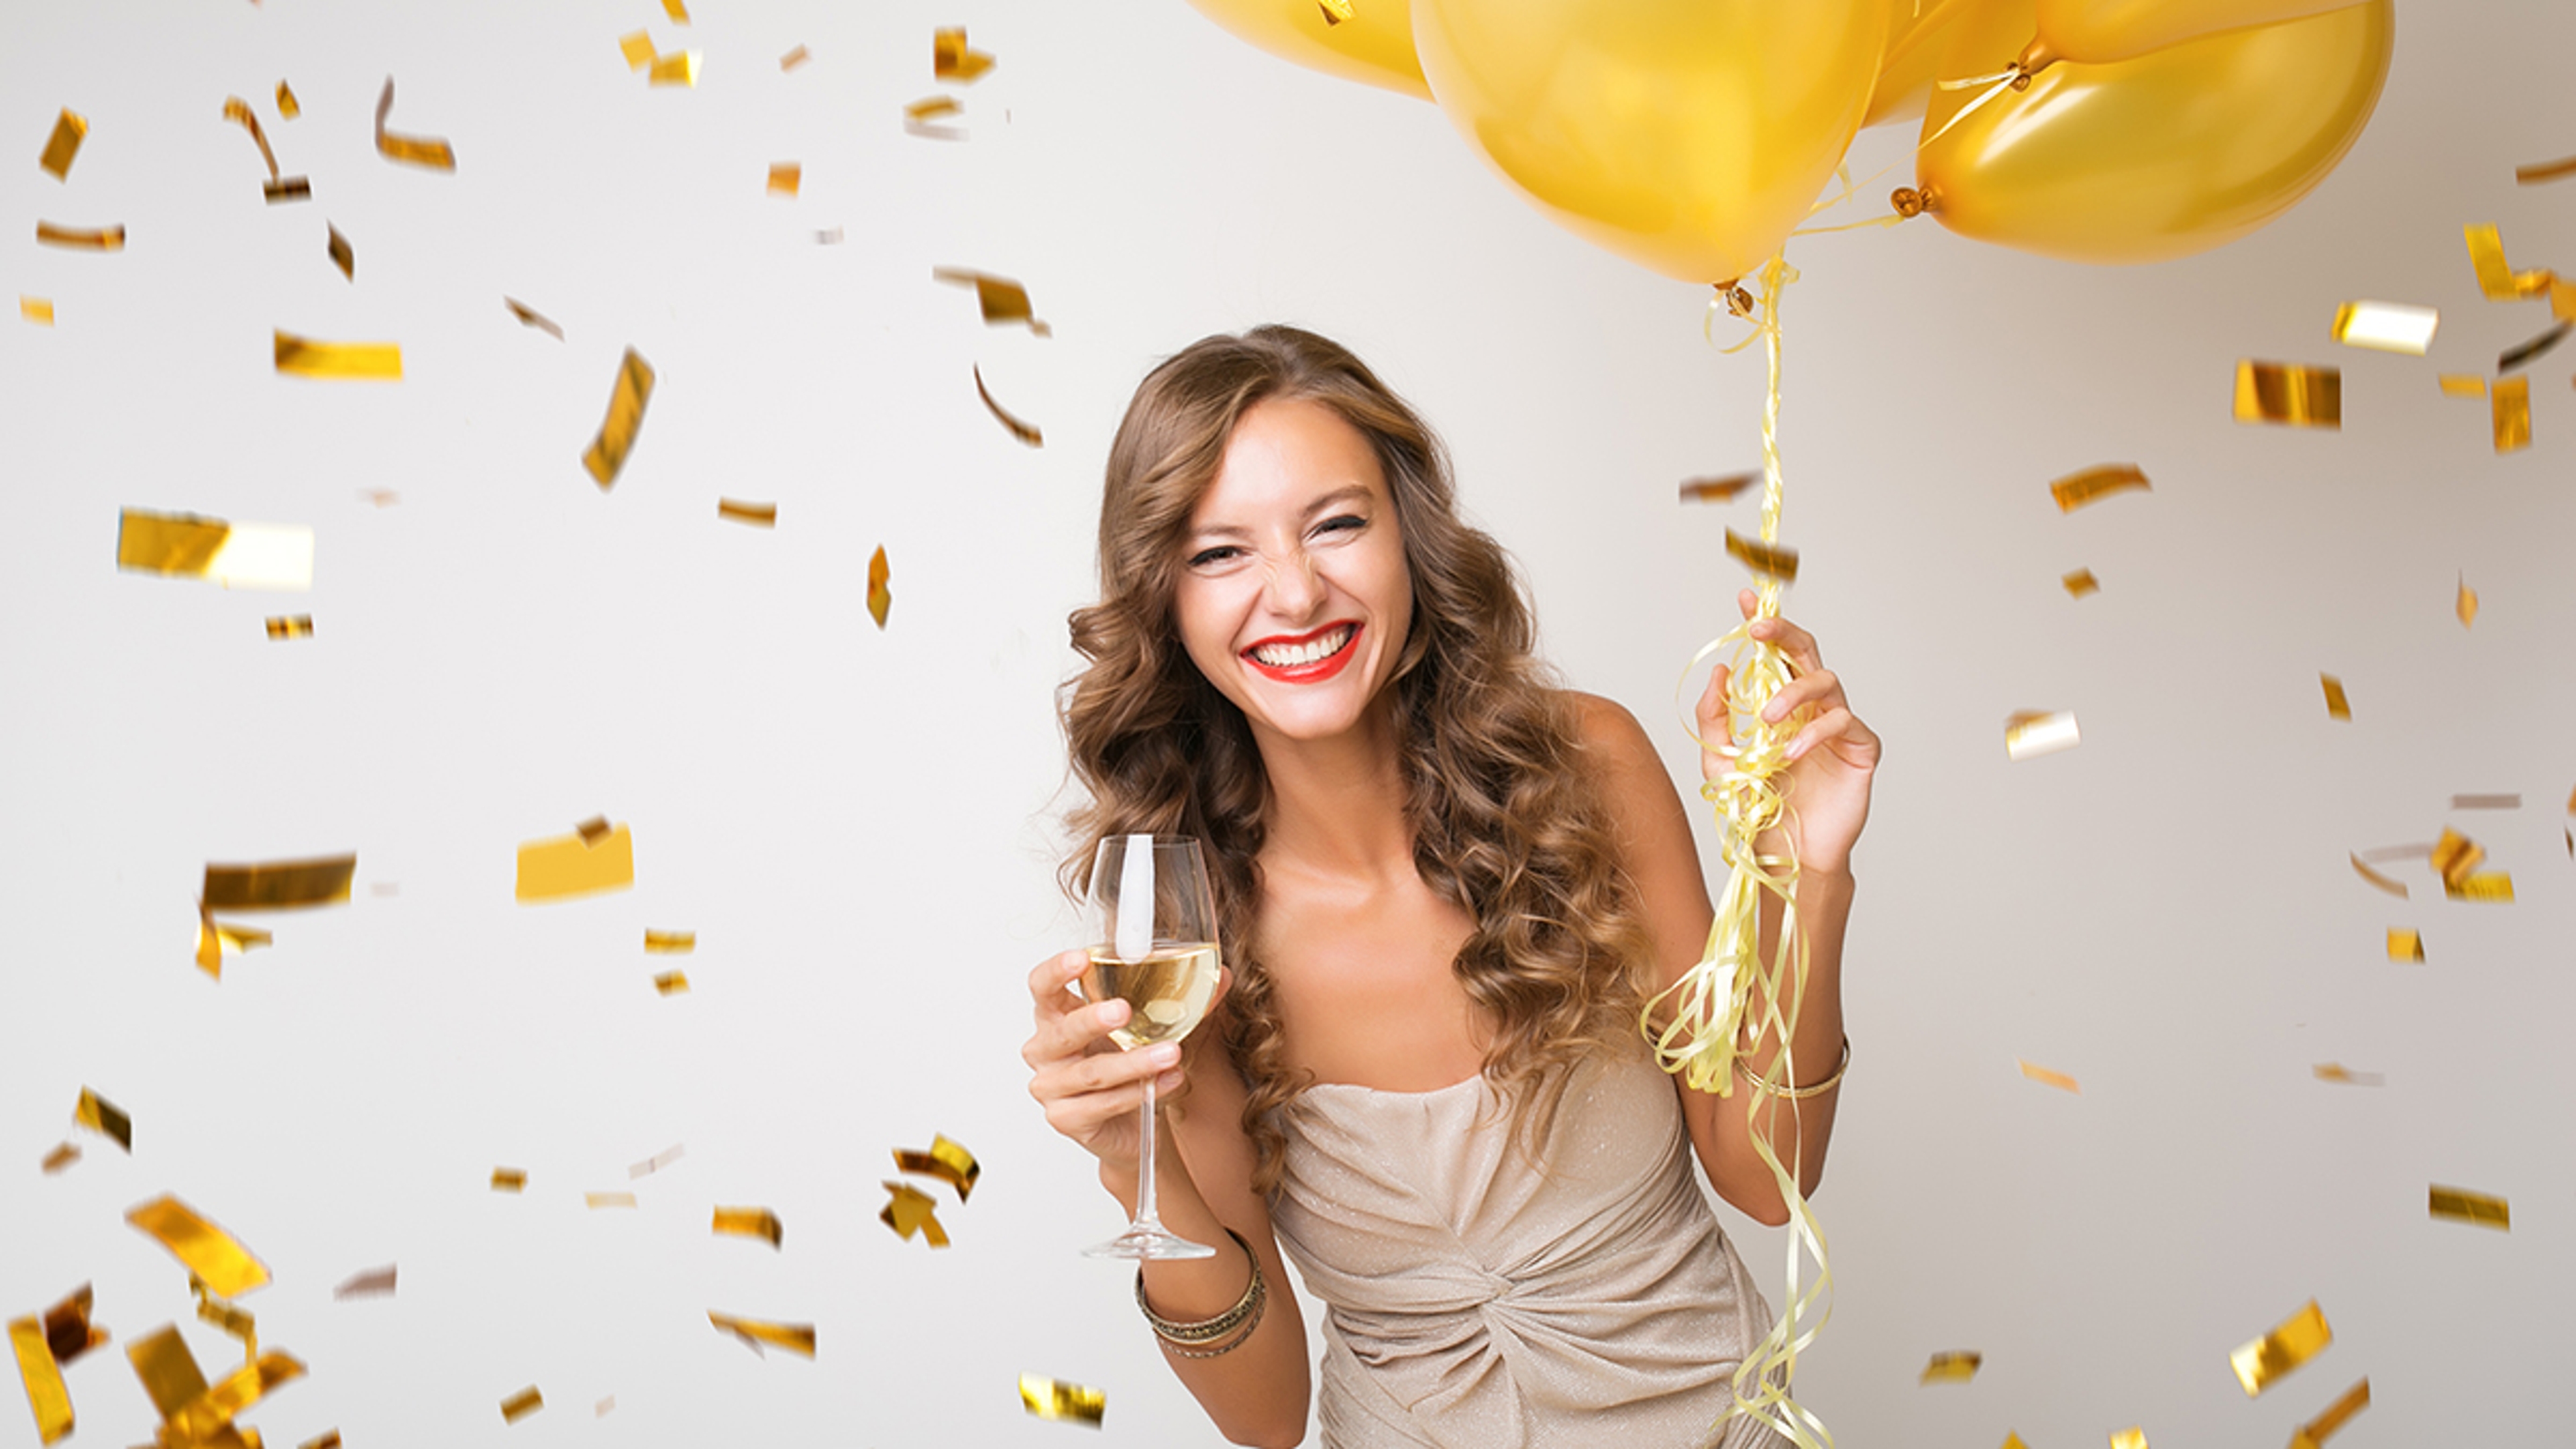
1482,1300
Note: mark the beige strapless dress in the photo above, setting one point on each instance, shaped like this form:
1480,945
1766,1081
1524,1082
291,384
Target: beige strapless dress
1482,1300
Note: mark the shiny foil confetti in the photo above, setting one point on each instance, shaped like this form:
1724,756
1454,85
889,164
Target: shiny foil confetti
216,939
1001,299
2521,353
952,60
1055,1399
2386,326
279,885
913,1211
2405,947
235,555
2455,857
600,1409
287,106
657,1162
1025,432
1336,11
2498,281
2285,393
43,1377
344,361
278,188
750,1222
785,177
2336,704
2318,1430
1718,489
2539,171
598,1200
2511,400
2047,1078
671,983
2463,1206
70,129
607,455
2081,583
593,830
2131,1438
521,1404
2486,802
2493,886
918,115
168,1370
880,599
678,11
2461,384
341,253
2466,605
61,1157
233,1321
68,1332
207,1419
289,626
1951,1368
425,151
381,497
509,1179
637,48
2013,1441
327,1439
679,68
2093,484
367,1283
2030,733
2338,1072
758,515
104,1118
224,1265
948,1161
2267,1360
567,865
794,58
794,1337
670,943
529,317
1771,560
39,310
78,238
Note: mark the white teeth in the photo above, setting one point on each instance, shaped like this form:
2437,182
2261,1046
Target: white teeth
1289,656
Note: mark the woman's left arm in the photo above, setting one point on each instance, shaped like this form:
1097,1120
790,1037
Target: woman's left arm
1832,760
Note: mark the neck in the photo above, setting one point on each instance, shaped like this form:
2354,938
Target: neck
1337,805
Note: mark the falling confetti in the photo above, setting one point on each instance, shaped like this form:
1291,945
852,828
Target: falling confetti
2466,605
2521,353
289,626
2047,1078
509,1179
750,1222
913,1211
948,1161
521,1404
1771,560
40,1370
671,983
829,236
61,1157
232,1321
793,1337
426,151
678,11
2386,326
287,106
70,129
1025,432
952,60
598,1200
2511,400
607,455
88,239
217,938
1717,489
2497,280
278,188
227,1268
2462,384
367,1283
1951,1368
794,58
39,310
657,1162
104,1118
1054,1399
279,885
758,515
327,1439
2486,802
2456,857
2338,1072
880,599
2130,1438
2077,489
168,1370
2405,947
679,68
342,254
348,361
2463,1206
568,865
1001,299
785,177
528,317
2316,1431
2267,1360
2280,392
637,48
918,115
2031,733
2081,583
670,943
2336,704
235,555
2532,175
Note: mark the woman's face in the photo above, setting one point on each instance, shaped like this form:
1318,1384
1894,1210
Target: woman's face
1293,598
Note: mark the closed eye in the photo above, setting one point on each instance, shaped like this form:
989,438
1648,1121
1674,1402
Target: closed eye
1217,555
1341,523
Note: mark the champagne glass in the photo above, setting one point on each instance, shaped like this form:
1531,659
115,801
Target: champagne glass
1156,947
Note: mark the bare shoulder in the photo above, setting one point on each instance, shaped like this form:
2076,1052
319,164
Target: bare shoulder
1652,830
1613,738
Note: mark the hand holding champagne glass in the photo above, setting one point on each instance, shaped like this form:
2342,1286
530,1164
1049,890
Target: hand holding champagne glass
1155,947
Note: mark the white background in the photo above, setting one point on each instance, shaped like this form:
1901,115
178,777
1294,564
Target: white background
859,824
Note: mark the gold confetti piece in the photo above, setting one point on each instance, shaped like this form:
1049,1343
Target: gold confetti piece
2511,399
794,58
607,455
2516,356
600,1409
347,361
1336,11
1951,1368
279,885
39,310
829,236
2316,1431
2081,583
327,1439
948,1161
880,598
2077,489
637,48
751,1222
2493,886
2031,733
238,111
913,1211
2400,852
429,151
758,515
46,1394
2540,171
2338,1072
60,1158
381,497
2130,1438
226,1267
292,188
671,983
235,555
94,239
168,1370
793,1337
1055,1399
1772,560
2386,326
2047,1078
231,1320
679,68
509,1179
567,865
657,1162
208,1420
2455,856
2281,392
2461,384
670,943
104,1118
1001,299
1719,489
785,177
287,106
64,144
598,1200
68,1331
2461,1205
342,256
2336,704
369,1283
2466,605
289,626
593,830
2500,282
678,12
931,108
2486,802
2013,1441
530,318
1020,430
216,938
951,59
2267,1360
521,1404
2405,947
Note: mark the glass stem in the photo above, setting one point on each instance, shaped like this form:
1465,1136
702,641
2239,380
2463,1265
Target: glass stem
1145,1212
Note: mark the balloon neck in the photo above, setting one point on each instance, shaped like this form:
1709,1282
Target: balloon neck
1739,302
1910,202
2034,58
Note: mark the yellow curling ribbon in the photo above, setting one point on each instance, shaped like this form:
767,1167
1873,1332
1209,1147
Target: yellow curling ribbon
1705,1012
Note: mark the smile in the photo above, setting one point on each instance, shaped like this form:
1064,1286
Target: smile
1305,658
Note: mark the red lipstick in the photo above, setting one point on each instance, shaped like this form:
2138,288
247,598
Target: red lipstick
1315,671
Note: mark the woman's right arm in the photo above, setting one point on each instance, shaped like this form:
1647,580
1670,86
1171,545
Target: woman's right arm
1094,1093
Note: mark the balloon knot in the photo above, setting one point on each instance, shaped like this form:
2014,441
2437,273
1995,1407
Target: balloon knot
1910,202
1738,301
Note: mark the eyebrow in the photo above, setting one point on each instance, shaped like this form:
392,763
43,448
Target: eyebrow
1348,492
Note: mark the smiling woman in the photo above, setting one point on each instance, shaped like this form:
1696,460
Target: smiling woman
1445,888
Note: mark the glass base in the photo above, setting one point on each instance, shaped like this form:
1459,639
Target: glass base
1148,1240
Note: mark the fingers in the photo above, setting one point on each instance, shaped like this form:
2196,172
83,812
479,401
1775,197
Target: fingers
1821,689
1835,724
1795,644
1052,975
1083,1094
1716,726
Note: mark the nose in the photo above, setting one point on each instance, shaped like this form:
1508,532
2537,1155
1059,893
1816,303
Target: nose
1294,591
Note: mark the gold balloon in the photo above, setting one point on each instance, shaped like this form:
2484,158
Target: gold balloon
1687,135
2099,31
1918,35
1374,45
2171,153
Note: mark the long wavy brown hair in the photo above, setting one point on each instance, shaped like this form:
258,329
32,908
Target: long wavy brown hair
1508,822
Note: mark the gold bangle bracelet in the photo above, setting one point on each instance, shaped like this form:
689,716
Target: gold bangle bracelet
1769,1088
1238,1320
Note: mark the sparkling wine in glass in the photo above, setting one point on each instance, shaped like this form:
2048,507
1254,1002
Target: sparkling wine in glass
1155,925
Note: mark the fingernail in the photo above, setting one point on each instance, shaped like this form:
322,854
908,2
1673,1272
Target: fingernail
1163,1055
1113,1012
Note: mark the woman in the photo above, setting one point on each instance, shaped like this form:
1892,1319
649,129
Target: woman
1445,890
